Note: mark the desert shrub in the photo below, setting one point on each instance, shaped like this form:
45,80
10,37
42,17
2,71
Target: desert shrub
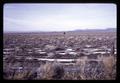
32,76
94,70
58,72
50,71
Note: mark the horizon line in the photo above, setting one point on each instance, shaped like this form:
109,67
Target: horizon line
59,31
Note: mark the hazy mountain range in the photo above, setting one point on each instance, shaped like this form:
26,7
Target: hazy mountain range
93,30
77,30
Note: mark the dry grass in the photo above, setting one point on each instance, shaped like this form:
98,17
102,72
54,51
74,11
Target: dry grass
81,63
47,71
107,71
109,63
19,76
88,71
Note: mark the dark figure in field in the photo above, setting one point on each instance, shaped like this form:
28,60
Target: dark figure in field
64,33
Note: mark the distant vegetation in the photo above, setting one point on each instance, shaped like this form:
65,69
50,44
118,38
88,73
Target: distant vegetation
60,56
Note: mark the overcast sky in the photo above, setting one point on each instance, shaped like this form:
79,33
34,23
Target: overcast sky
58,17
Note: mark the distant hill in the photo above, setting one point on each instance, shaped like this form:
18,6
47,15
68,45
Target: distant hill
97,30
111,29
77,30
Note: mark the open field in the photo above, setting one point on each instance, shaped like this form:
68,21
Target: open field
60,56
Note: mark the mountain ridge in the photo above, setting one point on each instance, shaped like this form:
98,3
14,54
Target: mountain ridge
77,30
107,29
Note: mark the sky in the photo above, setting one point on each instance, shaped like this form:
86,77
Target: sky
58,17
